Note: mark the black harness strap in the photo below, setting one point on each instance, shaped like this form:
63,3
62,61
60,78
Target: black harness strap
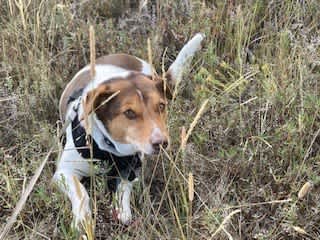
121,166
75,95
82,140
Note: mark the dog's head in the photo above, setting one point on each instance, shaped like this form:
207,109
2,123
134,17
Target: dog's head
136,114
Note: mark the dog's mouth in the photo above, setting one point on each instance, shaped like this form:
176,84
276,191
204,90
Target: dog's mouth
157,147
151,149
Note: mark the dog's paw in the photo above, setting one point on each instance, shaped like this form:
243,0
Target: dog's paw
82,216
79,223
84,227
124,216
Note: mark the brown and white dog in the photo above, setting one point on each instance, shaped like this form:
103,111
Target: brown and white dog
118,117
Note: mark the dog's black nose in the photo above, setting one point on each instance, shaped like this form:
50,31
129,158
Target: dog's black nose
156,146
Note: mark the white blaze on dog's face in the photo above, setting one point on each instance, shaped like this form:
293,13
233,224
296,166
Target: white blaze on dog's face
136,115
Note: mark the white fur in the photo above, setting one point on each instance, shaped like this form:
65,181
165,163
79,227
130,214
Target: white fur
123,197
80,204
146,67
71,165
156,135
70,160
185,56
105,72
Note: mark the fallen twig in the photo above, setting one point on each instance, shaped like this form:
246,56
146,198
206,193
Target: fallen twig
24,198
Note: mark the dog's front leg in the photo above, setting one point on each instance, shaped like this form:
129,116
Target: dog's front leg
123,194
69,183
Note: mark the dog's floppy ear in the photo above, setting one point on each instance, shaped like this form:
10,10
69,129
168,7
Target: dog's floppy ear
182,62
165,87
96,98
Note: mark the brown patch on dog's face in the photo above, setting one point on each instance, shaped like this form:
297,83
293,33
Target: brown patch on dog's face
137,115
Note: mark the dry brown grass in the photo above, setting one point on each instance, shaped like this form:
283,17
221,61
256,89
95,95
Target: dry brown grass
253,147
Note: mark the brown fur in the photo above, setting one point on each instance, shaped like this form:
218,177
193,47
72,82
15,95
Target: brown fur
120,60
137,93
75,85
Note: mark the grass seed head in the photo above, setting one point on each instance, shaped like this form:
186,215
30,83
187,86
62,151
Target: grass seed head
182,138
190,187
304,190
299,230
92,51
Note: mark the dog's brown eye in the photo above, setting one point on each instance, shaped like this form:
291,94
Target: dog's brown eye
130,114
162,106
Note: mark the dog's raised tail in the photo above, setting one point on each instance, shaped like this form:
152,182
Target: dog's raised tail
184,58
